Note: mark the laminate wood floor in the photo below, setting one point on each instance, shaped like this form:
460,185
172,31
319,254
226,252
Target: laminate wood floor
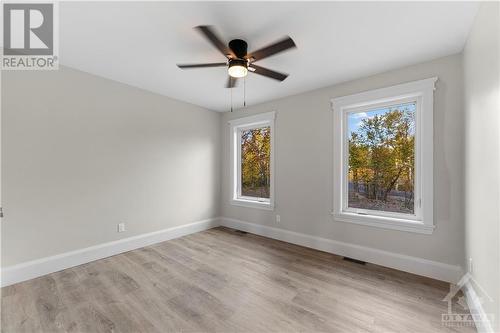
226,281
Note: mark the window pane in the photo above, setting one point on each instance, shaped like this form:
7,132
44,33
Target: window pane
255,162
382,159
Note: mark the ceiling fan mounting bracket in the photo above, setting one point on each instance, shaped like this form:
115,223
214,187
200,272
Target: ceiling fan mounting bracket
239,47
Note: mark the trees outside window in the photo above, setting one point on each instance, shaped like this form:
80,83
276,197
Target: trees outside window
256,162
382,159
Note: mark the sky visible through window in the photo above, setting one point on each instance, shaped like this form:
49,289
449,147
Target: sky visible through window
354,120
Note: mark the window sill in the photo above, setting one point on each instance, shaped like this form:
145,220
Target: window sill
384,222
252,204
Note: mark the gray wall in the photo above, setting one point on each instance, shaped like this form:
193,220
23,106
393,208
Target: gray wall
482,160
81,153
303,177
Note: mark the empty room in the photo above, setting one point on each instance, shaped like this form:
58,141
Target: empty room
250,166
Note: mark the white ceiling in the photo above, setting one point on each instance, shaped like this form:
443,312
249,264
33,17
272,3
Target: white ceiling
139,43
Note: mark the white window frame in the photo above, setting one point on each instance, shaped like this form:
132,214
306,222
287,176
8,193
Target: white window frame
236,126
421,92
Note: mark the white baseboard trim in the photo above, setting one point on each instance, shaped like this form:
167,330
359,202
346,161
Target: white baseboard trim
481,319
32,269
415,265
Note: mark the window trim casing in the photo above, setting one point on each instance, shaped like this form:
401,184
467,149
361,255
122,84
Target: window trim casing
235,127
421,91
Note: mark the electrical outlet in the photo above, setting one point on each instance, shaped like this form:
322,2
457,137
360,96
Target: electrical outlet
121,227
278,219
470,266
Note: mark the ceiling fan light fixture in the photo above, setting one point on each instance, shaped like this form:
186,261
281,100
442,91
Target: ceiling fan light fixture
237,68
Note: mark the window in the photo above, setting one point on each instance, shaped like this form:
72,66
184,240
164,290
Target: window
252,161
383,165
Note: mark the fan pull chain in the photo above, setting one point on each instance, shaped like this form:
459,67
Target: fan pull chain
245,91
230,88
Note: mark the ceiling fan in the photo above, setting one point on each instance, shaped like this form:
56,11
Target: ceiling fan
239,61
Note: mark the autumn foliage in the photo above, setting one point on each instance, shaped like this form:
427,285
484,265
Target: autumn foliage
382,161
255,162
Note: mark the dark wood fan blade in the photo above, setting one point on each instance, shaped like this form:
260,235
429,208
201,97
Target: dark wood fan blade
231,82
215,64
210,34
280,46
267,72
